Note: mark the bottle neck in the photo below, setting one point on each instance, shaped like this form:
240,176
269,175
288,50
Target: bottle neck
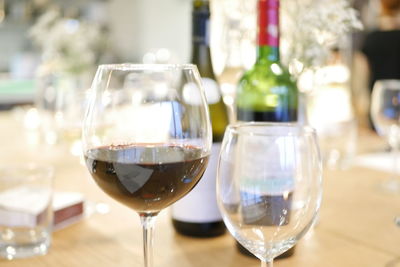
201,54
268,30
201,23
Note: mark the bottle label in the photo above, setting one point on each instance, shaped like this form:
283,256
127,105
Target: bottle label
268,23
192,96
200,205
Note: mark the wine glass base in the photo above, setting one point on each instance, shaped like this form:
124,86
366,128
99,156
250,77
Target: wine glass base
390,186
393,263
397,220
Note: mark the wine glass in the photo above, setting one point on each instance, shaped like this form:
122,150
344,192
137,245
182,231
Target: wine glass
385,114
147,137
269,185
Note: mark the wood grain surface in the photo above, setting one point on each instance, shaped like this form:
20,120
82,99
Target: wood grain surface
355,229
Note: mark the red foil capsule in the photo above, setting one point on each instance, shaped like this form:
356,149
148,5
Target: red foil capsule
268,23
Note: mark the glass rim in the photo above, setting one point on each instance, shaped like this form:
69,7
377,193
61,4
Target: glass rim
37,171
145,66
389,82
244,128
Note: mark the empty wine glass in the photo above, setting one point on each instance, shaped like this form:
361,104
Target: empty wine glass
385,114
147,137
269,185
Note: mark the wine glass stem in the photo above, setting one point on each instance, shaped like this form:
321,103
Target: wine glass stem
147,221
267,263
394,147
395,156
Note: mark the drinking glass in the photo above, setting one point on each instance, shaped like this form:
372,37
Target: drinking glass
269,185
26,214
385,114
147,137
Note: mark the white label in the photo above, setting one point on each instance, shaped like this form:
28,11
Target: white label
200,205
191,92
22,206
267,165
211,90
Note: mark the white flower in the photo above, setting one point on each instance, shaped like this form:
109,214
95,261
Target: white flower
67,45
312,27
309,28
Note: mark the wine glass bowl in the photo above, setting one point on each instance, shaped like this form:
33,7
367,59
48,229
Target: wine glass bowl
385,106
385,115
269,185
147,136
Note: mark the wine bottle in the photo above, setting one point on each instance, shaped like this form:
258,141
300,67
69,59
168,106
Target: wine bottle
197,214
267,92
234,67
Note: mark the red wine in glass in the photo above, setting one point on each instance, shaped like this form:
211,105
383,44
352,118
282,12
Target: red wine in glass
146,177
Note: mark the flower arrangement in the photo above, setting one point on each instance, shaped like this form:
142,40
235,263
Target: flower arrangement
311,28
68,45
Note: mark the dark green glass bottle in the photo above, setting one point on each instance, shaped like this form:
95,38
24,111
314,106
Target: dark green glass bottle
267,92
197,214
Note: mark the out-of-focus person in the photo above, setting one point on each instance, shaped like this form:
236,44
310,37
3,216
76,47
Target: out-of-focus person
381,48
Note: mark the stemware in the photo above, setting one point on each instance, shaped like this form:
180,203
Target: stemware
385,115
269,185
147,137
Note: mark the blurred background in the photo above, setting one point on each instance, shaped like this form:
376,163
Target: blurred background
136,30
49,50
334,50
133,28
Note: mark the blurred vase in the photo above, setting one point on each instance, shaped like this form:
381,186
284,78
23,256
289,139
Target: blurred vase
329,109
60,101
234,67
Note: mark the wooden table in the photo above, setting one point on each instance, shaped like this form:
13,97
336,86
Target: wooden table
356,226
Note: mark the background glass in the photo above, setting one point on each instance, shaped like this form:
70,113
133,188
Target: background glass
26,215
269,185
147,136
385,114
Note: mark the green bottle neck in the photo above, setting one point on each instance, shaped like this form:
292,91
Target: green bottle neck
268,31
267,53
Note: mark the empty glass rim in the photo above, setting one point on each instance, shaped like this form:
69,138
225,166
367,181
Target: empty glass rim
144,66
389,82
35,170
256,128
